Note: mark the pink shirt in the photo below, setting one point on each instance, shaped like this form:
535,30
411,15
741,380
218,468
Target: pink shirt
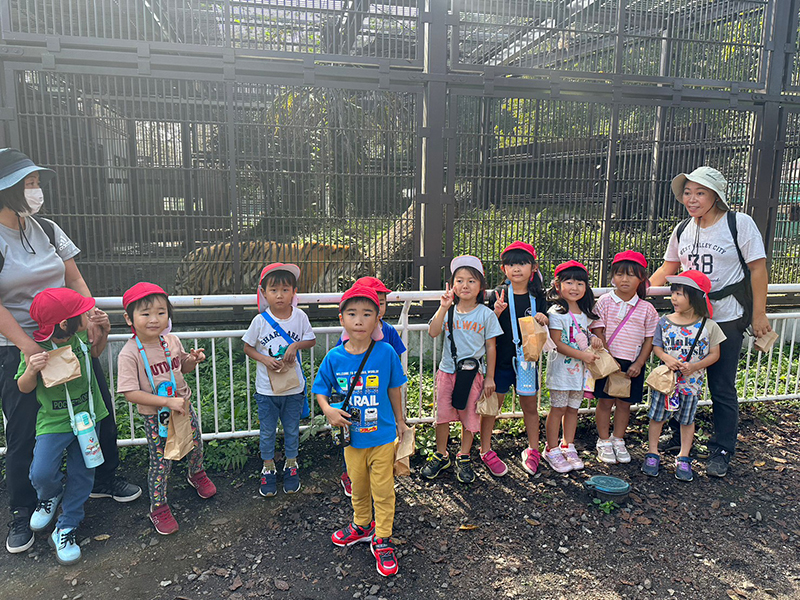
642,324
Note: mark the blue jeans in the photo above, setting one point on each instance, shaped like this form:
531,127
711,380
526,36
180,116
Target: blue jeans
288,410
47,479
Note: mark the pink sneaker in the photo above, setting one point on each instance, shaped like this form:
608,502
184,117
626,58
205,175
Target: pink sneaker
530,460
496,466
203,485
557,461
163,520
571,456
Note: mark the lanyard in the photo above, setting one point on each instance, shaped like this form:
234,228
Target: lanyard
89,373
512,315
147,363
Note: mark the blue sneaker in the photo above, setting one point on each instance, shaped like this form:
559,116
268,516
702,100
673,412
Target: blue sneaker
651,464
269,483
683,468
65,542
45,512
291,480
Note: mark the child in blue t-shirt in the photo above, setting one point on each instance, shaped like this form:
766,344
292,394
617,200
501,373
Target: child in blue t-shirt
376,395
383,332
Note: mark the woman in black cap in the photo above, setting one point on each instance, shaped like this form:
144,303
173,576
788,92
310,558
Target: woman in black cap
36,254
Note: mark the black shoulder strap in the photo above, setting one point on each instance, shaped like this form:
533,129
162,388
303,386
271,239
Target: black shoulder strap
450,325
696,338
358,374
49,229
682,227
735,235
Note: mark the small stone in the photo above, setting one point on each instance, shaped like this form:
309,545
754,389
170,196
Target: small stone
758,516
166,583
192,576
74,582
357,595
374,589
647,584
445,586
563,550
154,541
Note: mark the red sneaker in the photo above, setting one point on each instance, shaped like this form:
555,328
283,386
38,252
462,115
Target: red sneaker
383,551
163,520
203,485
352,534
347,485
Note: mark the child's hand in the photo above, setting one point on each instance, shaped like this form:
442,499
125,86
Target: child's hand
673,363
290,355
175,403
100,319
197,354
588,356
337,417
272,363
37,362
688,368
500,304
401,429
596,343
634,370
489,386
541,319
447,298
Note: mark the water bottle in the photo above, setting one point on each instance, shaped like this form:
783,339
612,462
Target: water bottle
165,388
87,438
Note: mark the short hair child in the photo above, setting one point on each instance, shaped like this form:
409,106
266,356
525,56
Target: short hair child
61,314
274,340
150,370
376,393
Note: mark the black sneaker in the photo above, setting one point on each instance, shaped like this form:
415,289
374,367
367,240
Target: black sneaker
464,472
435,465
717,465
119,489
671,445
20,536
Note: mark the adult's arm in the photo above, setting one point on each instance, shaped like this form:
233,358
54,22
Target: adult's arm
668,267
759,278
15,334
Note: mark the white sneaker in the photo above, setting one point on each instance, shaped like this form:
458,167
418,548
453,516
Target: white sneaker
620,451
555,458
571,456
605,452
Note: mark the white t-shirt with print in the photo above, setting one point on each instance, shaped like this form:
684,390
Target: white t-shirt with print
714,254
564,372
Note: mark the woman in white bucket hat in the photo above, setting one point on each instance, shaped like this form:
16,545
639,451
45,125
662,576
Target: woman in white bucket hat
737,268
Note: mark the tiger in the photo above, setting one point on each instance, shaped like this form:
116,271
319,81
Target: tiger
323,267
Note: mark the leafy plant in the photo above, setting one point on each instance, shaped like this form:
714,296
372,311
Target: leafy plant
607,507
227,455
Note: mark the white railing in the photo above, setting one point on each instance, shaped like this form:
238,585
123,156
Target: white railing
766,377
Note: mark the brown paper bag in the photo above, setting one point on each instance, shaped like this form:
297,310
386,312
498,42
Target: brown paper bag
403,449
604,366
61,367
766,341
488,406
284,380
534,337
618,385
662,379
179,439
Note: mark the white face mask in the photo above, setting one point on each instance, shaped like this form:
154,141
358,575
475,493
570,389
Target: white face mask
35,198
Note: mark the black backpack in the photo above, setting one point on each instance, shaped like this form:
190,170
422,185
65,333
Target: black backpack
741,290
47,226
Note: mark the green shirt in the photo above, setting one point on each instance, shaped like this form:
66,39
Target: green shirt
53,415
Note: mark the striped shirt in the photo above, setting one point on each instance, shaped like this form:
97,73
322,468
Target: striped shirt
628,342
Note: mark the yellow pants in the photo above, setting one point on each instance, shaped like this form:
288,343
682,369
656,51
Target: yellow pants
371,472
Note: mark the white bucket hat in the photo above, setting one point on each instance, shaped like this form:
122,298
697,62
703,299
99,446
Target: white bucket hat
466,261
707,177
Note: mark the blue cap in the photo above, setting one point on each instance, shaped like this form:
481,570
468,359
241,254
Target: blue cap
16,166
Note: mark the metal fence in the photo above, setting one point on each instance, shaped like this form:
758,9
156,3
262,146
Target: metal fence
194,141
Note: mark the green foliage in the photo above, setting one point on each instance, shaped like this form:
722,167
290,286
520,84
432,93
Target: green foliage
425,438
607,507
228,455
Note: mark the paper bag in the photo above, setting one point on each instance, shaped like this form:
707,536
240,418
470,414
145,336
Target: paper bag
403,449
618,385
489,406
284,380
61,367
534,337
662,379
604,366
179,439
765,342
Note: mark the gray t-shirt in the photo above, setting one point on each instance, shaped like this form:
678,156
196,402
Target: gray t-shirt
472,331
25,274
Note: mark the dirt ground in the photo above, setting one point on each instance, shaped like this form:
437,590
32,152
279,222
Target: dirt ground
514,537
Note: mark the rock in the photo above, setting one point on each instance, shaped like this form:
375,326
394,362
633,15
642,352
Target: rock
563,550
758,516
166,583
374,589
281,584
192,576
220,521
647,584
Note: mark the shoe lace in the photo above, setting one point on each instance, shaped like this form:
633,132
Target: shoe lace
19,523
384,550
47,505
67,538
118,485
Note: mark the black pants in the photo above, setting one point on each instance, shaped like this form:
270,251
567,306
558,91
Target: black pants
20,411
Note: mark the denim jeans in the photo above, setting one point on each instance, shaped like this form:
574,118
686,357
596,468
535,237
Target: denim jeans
46,477
288,410
722,385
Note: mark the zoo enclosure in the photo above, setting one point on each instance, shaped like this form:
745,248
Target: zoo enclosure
406,131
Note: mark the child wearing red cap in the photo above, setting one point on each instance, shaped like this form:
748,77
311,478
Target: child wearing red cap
626,327
570,317
61,314
383,332
365,377
150,370
274,340
687,341
522,289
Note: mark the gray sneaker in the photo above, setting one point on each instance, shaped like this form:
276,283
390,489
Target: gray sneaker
20,536
683,468
651,464
717,465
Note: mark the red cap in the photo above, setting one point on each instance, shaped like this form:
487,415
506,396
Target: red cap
696,280
53,305
632,256
569,265
374,283
141,290
360,291
521,246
